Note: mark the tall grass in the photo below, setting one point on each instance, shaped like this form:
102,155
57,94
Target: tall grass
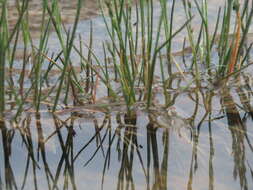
3,54
135,49
7,53
137,59
230,44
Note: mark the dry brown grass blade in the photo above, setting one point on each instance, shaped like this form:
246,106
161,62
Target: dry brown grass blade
237,43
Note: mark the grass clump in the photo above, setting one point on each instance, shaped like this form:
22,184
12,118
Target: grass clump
134,52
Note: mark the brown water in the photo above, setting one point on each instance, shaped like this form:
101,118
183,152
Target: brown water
68,11
203,141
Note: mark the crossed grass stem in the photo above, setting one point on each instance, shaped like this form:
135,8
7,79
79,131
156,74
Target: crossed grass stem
135,49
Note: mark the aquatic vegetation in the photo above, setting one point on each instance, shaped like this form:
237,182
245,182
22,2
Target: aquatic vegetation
135,46
132,103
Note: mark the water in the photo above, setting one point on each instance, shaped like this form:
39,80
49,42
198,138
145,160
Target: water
202,142
215,154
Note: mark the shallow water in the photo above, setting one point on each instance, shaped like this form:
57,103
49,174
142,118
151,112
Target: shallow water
203,141
105,150
68,10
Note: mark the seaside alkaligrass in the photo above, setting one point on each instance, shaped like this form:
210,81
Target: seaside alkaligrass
135,48
8,50
134,59
4,33
125,48
228,39
66,47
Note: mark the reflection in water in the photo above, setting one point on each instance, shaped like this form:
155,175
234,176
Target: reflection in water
131,151
7,137
238,131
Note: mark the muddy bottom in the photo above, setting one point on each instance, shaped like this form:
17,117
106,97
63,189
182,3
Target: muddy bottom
68,12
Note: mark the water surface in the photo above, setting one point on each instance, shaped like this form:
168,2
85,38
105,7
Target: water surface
203,141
